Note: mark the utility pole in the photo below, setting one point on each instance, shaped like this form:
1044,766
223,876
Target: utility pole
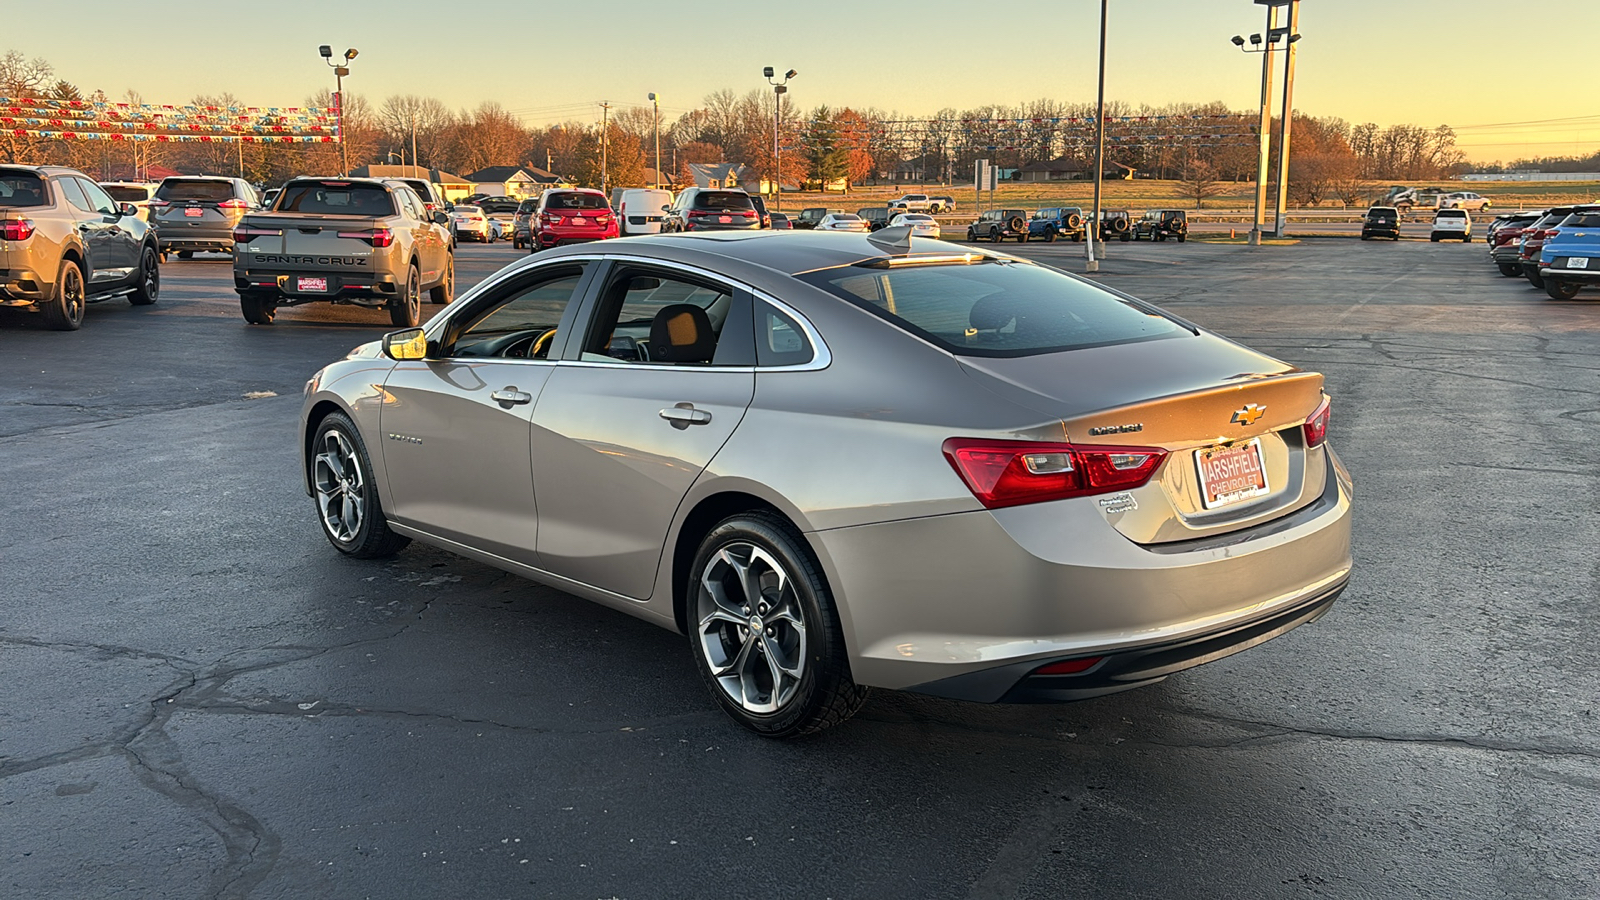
340,70
413,139
779,88
655,103
1093,264
605,124
1265,129
1287,117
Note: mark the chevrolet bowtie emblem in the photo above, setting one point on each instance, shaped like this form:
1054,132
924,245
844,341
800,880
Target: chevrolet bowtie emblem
1249,414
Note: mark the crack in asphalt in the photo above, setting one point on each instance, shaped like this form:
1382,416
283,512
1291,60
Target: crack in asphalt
108,415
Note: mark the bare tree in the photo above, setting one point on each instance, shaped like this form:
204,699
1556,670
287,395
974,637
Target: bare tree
1199,181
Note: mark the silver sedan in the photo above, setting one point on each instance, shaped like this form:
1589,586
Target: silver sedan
836,461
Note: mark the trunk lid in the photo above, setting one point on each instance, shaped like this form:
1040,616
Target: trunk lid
1201,399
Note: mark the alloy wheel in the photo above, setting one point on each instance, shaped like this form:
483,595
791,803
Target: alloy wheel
72,295
340,487
751,627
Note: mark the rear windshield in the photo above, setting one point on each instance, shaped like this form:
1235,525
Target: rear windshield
336,199
21,189
196,189
127,194
423,188
1582,220
1452,214
847,217
527,206
722,200
499,206
576,201
468,211
995,308
1387,212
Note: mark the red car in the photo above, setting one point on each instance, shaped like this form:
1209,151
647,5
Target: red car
571,216
1531,241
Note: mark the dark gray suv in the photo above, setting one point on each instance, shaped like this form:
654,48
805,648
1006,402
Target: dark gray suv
65,243
193,213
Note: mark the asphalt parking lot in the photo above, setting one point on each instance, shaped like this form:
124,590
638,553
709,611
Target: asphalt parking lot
204,700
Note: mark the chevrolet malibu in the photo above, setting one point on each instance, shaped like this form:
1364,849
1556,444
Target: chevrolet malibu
835,461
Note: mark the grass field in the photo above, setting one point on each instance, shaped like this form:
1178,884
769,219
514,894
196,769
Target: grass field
1142,194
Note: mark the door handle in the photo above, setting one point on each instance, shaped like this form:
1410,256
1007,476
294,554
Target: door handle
683,415
510,396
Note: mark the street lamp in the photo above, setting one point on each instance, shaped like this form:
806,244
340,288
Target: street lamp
1265,47
779,88
655,102
340,70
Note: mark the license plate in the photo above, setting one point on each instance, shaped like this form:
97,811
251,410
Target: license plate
1578,262
579,220
724,219
312,285
1230,474
194,212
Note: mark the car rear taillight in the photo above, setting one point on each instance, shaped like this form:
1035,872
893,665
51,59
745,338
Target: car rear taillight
16,229
245,235
602,220
233,204
1012,473
377,237
1316,427
160,203
702,213
748,214
549,219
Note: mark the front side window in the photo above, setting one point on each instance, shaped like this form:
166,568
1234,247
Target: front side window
660,318
98,198
74,194
995,308
521,320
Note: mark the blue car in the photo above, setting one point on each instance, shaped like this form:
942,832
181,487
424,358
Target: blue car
1052,223
1570,257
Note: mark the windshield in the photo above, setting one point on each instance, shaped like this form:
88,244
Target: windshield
729,200
575,201
21,189
336,199
995,308
185,189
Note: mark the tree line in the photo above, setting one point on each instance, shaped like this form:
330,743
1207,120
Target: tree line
1204,145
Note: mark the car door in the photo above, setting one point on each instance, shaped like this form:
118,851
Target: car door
103,263
455,426
662,376
123,237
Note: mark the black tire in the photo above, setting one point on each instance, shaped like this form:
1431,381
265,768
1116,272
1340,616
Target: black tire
994,236
1182,236
405,311
1050,236
1365,237
445,291
186,254
1125,237
370,537
64,310
971,237
1434,238
1535,279
1077,237
1509,270
1561,290
824,694
148,287
259,308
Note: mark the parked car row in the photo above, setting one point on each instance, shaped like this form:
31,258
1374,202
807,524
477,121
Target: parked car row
1556,250
1070,222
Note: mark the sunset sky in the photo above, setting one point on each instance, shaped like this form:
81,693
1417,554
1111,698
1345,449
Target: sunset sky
1386,61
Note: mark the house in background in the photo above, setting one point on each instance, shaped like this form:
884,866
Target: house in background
1059,169
514,181
929,167
726,175
450,187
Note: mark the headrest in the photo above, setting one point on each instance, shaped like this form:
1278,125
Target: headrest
992,313
682,333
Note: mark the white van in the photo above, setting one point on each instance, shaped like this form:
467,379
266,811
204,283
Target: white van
641,210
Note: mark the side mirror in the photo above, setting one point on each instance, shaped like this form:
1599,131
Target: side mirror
440,218
411,343
667,208
128,210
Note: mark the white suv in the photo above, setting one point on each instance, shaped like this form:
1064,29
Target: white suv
1452,224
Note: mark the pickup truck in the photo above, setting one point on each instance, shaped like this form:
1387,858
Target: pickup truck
358,241
921,203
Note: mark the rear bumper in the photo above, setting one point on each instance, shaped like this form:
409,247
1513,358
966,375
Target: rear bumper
1506,254
1563,274
549,238
1391,231
341,285
731,226
195,242
968,605
22,287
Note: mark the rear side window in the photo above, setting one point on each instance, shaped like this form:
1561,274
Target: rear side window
576,201
995,308
336,199
779,339
722,200
21,189
195,189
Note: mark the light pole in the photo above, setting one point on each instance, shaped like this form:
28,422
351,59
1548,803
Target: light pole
340,70
1273,35
1093,265
1287,118
779,88
655,103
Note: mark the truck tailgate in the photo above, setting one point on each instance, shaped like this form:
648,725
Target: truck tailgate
291,243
